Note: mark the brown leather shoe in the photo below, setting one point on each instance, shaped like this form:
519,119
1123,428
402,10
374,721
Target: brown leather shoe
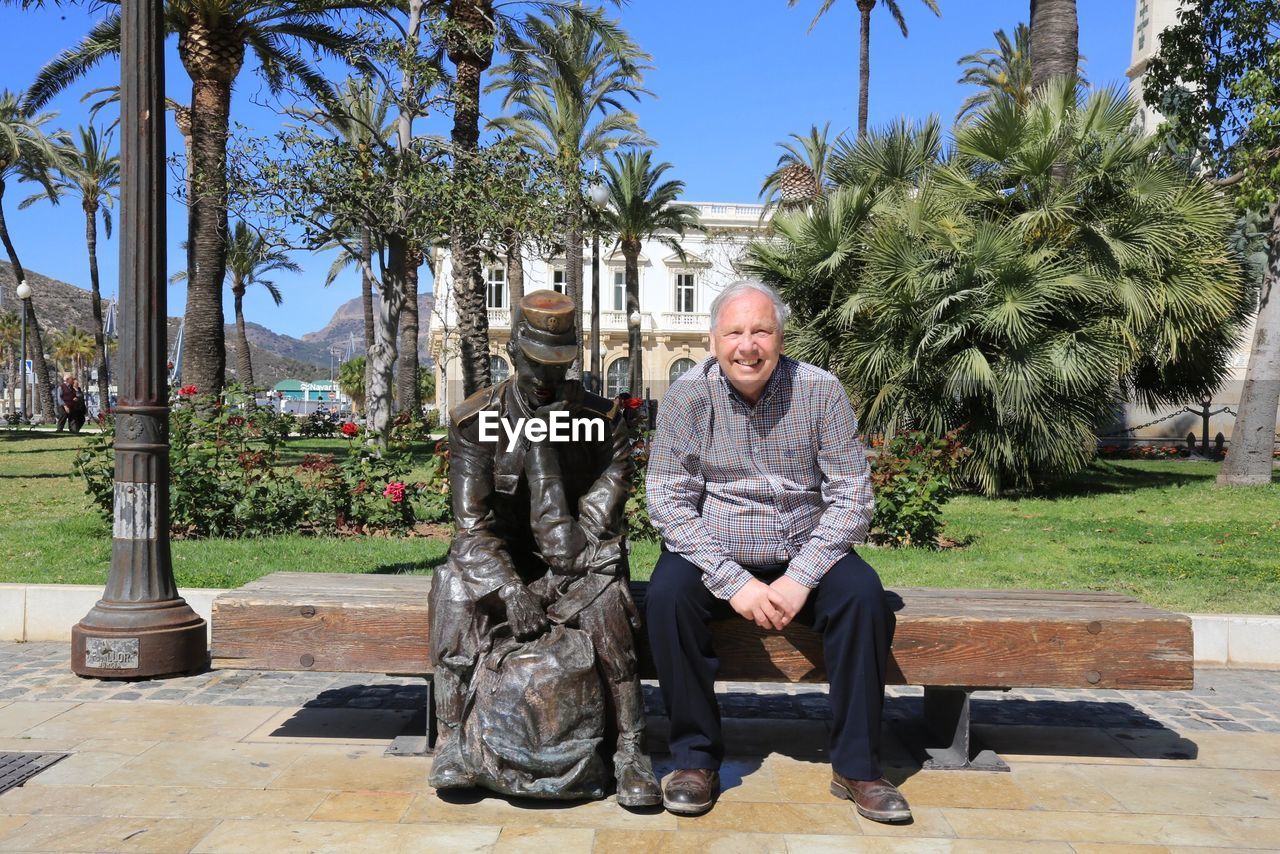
878,800
691,791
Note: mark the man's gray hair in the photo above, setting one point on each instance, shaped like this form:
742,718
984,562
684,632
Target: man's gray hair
742,286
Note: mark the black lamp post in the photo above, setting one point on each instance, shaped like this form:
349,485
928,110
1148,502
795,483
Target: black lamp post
141,627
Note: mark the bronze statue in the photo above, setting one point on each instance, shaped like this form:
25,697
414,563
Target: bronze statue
536,583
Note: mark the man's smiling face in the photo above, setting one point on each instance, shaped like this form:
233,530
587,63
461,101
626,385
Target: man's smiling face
747,341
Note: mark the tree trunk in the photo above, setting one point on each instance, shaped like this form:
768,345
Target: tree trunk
515,274
1055,40
470,48
1253,439
407,398
99,338
204,357
635,349
382,354
244,364
366,297
573,263
864,62
44,388
14,362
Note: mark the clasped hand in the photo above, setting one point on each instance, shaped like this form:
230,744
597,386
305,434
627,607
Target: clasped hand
770,606
525,615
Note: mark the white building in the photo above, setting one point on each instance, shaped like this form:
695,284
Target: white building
675,303
1151,17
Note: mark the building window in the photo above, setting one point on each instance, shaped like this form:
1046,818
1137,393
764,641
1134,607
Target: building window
496,281
618,378
1142,41
679,368
499,370
684,292
558,284
619,290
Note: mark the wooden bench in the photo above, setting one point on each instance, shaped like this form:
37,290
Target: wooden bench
951,642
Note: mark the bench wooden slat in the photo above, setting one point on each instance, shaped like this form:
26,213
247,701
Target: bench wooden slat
970,638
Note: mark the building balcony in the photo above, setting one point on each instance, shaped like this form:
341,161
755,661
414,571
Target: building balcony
616,321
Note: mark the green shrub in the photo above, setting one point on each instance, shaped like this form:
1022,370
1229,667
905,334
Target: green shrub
913,475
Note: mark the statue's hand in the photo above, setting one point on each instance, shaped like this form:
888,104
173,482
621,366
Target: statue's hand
525,616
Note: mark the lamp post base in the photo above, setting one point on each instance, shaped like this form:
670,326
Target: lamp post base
138,640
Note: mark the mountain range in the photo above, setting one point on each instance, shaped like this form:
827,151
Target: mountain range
275,356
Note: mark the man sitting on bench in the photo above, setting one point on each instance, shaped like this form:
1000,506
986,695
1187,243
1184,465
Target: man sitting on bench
760,488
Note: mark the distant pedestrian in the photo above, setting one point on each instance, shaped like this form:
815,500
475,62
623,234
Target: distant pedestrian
66,397
79,407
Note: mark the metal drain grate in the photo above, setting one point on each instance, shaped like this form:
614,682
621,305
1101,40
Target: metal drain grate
18,768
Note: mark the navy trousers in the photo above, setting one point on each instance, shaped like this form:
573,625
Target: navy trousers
848,608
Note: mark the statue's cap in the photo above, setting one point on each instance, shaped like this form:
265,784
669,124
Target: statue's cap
546,332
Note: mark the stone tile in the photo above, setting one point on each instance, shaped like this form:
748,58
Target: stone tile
1022,825
340,837
329,726
21,717
357,770
251,766
10,823
834,818
363,806
1063,788
1192,791
798,781
925,822
1260,750
667,842
158,721
523,812
539,840
996,846
19,744
90,833
162,802
974,789
1055,744
1250,832
1120,848
128,747
80,768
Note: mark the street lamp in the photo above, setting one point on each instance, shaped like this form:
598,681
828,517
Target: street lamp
599,195
141,627
24,294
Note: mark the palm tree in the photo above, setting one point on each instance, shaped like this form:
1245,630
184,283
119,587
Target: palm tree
1054,40
1003,71
250,256
91,172
974,289
562,74
643,207
359,115
864,51
73,348
10,338
213,36
26,153
801,173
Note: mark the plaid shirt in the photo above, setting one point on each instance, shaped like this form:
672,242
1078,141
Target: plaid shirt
731,485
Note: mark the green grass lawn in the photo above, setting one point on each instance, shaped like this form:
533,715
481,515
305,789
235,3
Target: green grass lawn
1160,531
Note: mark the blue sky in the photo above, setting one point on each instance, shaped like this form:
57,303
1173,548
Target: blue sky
731,79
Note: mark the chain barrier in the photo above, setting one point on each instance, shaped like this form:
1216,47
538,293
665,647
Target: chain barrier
1141,426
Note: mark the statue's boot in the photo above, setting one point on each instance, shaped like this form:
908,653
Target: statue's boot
449,770
637,784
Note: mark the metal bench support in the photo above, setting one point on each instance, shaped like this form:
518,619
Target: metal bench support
419,745
948,742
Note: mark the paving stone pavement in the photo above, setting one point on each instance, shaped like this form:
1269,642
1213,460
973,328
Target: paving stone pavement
1230,700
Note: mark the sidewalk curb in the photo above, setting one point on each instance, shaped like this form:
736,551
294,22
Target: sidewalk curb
47,612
